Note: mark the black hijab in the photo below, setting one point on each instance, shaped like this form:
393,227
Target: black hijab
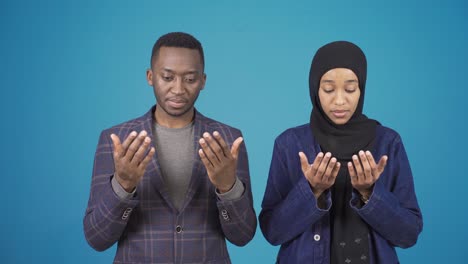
358,133
349,233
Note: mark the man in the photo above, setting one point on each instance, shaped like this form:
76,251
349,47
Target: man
171,185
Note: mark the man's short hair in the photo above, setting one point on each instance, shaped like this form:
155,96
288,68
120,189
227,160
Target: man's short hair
177,40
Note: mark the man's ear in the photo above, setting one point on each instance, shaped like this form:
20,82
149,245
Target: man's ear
204,81
149,76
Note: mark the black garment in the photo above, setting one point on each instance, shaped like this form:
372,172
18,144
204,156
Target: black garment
358,133
349,233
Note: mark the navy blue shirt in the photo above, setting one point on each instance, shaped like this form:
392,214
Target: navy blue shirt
290,216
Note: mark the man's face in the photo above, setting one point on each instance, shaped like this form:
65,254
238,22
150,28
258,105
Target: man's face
339,94
177,78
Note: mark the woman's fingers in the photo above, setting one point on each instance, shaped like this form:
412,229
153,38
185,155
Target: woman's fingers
323,167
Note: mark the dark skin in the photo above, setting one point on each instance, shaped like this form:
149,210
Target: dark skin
322,173
130,160
220,161
177,77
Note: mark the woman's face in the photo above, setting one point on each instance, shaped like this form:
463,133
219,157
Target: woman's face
339,94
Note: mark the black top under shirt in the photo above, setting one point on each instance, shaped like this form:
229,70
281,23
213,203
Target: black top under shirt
349,234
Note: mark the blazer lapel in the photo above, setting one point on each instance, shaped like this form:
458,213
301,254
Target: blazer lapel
153,171
198,168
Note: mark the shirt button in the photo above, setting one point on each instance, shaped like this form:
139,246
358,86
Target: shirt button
178,229
317,237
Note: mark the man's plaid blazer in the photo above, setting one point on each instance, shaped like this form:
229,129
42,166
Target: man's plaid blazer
147,227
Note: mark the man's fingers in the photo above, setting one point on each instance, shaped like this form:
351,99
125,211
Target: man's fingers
128,141
147,159
214,145
209,154
304,162
133,148
205,160
222,143
117,145
140,154
236,146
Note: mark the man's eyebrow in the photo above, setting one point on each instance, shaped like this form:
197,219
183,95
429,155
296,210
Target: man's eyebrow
168,70
184,73
191,72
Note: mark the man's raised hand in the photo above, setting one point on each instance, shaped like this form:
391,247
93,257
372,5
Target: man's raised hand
131,158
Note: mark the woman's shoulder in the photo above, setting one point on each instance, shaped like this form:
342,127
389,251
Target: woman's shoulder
299,133
300,130
384,133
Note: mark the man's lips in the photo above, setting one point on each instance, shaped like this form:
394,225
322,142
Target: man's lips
176,102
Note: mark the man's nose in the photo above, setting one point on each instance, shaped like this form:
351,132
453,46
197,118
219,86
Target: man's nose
178,87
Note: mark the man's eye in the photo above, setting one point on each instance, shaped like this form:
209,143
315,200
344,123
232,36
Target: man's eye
190,80
167,78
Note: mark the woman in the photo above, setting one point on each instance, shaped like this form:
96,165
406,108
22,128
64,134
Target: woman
340,189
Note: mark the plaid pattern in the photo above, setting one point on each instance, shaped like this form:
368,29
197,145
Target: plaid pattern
147,227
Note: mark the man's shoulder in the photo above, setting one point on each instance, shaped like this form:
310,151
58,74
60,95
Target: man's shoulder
129,125
217,125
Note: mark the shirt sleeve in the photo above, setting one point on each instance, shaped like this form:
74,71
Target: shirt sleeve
392,209
106,215
237,216
236,191
120,191
289,195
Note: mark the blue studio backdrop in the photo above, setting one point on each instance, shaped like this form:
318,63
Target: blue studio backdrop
72,68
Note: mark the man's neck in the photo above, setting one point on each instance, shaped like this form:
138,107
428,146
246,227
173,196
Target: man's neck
165,120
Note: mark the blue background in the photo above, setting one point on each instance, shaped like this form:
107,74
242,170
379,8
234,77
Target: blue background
69,70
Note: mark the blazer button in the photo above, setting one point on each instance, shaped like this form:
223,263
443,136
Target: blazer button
225,215
317,237
178,229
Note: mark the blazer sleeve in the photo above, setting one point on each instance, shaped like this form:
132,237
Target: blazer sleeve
289,207
394,212
107,214
237,217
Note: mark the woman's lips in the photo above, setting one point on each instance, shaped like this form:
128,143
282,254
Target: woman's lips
339,113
